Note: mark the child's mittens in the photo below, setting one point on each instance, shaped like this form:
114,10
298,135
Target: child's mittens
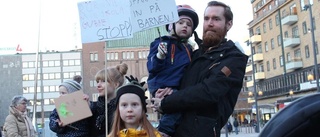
162,50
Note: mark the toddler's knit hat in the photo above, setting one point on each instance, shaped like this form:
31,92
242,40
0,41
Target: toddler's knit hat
71,85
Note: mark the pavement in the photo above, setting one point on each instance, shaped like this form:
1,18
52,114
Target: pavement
240,134
243,132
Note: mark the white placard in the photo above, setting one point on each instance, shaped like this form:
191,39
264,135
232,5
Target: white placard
103,20
148,14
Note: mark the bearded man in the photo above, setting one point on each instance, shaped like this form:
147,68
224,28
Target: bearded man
210,86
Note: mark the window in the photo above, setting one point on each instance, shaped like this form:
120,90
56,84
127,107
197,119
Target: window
307,52
258,31
277,20
266,46
286,35
93,57
302,4
297,53
270,24
272,43
314,24
288,57
279,40
259,50
281,61
264,28
261,68
274,63
268,66
295,32
304,27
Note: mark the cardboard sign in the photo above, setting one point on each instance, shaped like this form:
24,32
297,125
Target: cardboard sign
148,14
103,20
72,107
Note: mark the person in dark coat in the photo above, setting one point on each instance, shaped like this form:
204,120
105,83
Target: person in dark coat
212,82
114,80
76,129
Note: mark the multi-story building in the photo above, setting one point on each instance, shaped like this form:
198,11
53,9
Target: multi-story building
10,82
282,52
53,69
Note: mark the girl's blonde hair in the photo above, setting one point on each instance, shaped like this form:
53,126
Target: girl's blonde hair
118,124
115,74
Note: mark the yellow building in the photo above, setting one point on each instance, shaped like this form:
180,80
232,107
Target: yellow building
282,55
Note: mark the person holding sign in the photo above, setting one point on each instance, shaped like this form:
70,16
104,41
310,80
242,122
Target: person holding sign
168,57
76,129
130,119
211,83
115,79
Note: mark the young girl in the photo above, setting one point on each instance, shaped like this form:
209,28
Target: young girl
76,129
130,119
115,79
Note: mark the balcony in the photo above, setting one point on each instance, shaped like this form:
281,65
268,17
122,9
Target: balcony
257,57
249,83
249,69
294,64
291,42
289,20
259,75
255,38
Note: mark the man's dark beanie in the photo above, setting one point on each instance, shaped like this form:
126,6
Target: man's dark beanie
134,89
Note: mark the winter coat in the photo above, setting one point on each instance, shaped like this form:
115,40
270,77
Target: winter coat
98,121
69,131
169,71
18,124
209,91
135,133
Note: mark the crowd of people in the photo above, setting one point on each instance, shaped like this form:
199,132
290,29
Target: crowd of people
194,90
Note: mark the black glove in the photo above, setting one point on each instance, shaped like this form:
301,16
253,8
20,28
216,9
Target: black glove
197,39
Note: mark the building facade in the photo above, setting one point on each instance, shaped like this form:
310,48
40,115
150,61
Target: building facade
10,82
281,52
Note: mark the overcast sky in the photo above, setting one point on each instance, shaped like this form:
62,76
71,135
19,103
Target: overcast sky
59,23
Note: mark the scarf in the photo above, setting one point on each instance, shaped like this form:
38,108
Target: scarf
23,116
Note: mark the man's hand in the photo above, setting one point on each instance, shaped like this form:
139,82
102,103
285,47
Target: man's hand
162,50
156,104
161,93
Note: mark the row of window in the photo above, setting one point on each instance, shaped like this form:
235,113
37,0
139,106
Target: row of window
52,63
115,55
45,89
47,76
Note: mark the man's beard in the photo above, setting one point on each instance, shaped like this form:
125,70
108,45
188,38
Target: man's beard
213,37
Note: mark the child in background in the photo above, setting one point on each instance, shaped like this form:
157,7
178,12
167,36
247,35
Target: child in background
168,58
130,119
76,129
115,79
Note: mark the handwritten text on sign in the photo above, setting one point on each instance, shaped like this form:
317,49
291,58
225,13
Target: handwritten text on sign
148,14
103,20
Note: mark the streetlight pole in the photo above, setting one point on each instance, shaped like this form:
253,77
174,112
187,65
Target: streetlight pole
254,87
306,7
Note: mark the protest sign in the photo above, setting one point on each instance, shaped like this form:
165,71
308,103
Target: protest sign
103,20
148,14
72,107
